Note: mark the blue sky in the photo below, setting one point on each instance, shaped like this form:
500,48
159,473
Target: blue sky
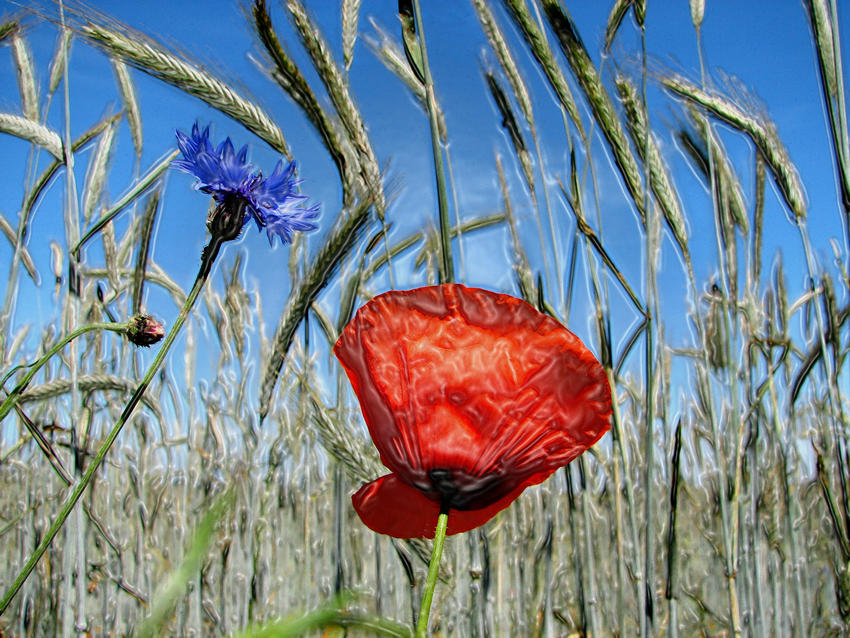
762,45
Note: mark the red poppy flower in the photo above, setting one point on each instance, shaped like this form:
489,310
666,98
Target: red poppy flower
470,396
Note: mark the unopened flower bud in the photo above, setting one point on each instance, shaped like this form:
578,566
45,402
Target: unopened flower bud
144,330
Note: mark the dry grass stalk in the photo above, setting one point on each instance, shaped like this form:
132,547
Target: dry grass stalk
341,240
127,91
149,57
598,99
660,179
285,72
350,16
506,60
536,40
97,169
26,76
60,59
760,130
337,88
392,57
615,19
32,131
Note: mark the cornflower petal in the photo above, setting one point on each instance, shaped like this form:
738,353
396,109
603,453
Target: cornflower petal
230,178
282,224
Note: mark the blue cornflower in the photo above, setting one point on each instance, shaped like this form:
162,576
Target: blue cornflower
240,190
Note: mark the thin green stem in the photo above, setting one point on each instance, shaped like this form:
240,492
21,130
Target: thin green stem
447,265
10,400
433,570
207,260
726,526
647,624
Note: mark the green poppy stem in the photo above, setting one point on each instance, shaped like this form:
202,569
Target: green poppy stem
207,259
433,570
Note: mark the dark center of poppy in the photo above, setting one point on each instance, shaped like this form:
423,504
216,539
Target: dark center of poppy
460,490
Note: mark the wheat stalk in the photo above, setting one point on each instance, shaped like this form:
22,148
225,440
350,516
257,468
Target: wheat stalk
615,19
729,191
536,40
86,383
26,76
506,60
340,242
598,99
350,15
337,88
60,59
285,72
96,174
660,180
32,131
127,91
146,56
761,131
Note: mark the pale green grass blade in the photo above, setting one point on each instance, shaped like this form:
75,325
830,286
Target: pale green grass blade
172,589
143,183
143,251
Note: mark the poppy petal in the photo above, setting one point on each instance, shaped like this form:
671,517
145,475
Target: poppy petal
390,506
468,393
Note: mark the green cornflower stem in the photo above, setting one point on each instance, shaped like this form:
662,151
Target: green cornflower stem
207,259
447,271
15,394
433,570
